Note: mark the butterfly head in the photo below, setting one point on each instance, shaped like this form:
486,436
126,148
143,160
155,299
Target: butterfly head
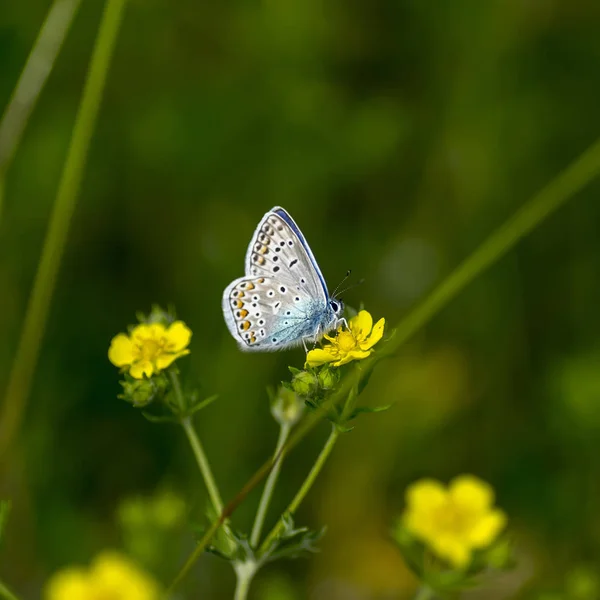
337,307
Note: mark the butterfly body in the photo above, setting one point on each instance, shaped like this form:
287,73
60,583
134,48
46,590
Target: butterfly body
282,301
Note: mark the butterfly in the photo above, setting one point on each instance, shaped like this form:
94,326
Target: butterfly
282,301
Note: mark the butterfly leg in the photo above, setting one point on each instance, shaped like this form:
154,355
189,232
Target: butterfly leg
343,322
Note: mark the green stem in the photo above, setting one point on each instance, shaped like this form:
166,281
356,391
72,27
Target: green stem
304,489
267,494
265,499
6,593
244,574
196,444
25,361
581,172
563,187
203,464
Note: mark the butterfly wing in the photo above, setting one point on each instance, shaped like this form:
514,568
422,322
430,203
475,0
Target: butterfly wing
278,249
283,298
264,314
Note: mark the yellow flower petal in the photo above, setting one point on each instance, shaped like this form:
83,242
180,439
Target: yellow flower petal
116,576
121,351
375,336
361,325
487,529
68,584
141,332
453,550
141,368
319,356
178,336
471,493
426,494
164,360
352,355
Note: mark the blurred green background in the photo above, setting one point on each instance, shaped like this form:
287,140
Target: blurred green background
398,134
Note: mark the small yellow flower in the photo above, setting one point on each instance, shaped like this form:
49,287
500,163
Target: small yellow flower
111,575
453,521
149,348
355,343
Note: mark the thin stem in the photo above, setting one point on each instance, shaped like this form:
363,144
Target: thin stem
197,448
174,378
304,489
203,464
265,499
27,353
580,173
6,593
563,187
244,574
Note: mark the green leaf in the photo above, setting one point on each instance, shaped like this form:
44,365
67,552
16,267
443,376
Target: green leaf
293,542
203,404
294,371
368,410
159,418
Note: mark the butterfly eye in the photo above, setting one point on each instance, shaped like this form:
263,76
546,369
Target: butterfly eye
335,306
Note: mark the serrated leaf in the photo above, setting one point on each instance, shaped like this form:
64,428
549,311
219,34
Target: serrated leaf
293,542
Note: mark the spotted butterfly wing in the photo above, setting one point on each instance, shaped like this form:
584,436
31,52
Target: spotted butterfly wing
283,299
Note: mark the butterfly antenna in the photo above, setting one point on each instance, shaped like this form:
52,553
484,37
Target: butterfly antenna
350,287
341,283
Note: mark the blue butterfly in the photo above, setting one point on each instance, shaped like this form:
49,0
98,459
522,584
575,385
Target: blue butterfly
283,300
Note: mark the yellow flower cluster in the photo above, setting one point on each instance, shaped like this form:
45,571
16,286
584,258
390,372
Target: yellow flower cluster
455,520
149,348
111,576
355,343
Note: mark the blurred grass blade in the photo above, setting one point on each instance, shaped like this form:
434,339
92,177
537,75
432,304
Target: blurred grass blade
4,512
23,368
562,188
31,82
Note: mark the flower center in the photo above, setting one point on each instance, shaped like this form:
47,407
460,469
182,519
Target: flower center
452,520
345,341
151,349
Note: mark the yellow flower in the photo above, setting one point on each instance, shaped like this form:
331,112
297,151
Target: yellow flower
149,348
453,521
355,343
111,576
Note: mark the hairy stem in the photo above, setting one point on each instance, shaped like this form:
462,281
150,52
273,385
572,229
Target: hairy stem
267,494
25,361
